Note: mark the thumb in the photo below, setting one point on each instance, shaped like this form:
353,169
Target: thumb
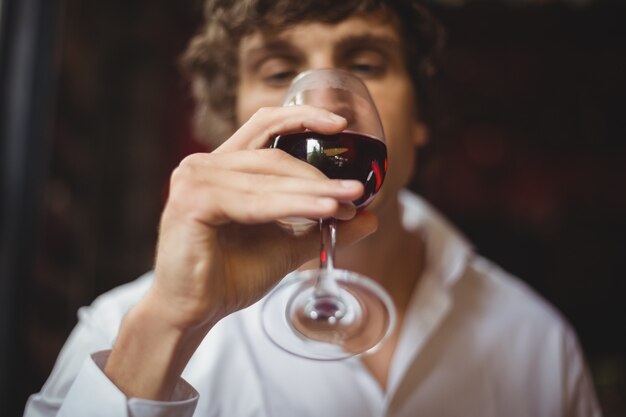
362,225
307,245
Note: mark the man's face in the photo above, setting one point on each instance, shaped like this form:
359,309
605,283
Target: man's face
368,46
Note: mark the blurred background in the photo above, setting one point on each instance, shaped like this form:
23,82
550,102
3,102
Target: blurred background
527,158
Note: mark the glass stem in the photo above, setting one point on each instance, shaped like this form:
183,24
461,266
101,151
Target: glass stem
325,283
328,230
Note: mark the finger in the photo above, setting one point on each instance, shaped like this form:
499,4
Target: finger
269,122
260,161
345,211
215,206
341,190
207,170
257,208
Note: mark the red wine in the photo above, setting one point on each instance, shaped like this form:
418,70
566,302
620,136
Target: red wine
345,155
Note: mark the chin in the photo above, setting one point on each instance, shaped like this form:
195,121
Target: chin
386,198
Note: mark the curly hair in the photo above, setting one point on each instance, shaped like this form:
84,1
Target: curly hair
212,53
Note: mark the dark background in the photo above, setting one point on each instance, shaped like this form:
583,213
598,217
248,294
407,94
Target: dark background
527,157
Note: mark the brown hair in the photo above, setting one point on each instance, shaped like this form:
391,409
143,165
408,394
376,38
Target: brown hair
210,60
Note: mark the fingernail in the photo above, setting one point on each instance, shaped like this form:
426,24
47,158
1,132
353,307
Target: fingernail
350,183
336,118
325,202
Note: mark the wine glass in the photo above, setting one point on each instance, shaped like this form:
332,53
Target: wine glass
328,313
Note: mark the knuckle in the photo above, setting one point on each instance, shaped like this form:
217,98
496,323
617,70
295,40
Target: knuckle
179,184
183,184
194,159
262,113
270,132
276,155
178,174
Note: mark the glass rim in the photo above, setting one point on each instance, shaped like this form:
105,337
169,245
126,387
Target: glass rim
344,80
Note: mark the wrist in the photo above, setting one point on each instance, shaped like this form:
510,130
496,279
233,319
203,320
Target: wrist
150,352
177,312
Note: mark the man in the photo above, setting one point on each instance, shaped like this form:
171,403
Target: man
471,340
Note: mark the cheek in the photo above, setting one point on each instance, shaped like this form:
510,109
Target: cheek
397,111
248,102
251,98
401,158
396,106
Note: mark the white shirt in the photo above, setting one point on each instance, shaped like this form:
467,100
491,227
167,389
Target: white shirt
475,342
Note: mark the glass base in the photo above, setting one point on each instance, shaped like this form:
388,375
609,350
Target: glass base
327,324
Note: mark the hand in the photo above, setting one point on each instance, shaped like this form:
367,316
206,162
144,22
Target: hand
219,249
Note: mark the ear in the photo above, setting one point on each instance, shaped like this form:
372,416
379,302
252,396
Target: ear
420,134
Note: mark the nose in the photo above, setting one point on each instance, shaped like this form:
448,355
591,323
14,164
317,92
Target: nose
339,92
335,100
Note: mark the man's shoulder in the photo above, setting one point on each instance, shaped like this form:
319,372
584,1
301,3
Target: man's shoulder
506,301
126,295
514,340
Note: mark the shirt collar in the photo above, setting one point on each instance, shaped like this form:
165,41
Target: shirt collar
447,254
447,250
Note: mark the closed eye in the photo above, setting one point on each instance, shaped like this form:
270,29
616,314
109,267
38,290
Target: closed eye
280,78
366,70
277,70
366,62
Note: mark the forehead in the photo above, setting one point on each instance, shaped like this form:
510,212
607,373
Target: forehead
310,36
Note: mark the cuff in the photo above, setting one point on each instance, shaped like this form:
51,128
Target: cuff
93,394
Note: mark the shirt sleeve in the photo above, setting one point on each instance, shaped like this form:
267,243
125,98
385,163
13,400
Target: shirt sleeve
580,396
78,386
93,394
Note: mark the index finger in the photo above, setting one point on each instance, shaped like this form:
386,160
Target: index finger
269,122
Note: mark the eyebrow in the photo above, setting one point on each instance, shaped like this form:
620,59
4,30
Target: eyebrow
270,47
275,46
384,44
